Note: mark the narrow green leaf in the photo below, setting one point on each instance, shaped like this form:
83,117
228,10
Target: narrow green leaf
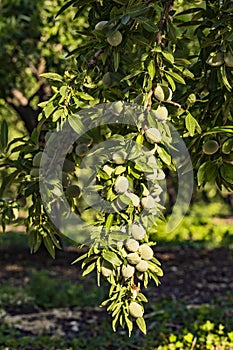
116,59
151,69
191,124
49,246
52,76
176,77
164,155
89,269
111,257
4,135
141,324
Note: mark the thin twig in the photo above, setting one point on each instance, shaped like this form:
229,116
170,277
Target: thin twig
94,59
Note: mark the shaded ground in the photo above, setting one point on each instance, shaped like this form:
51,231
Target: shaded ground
193,276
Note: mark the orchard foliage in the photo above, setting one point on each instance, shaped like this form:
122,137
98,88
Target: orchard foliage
173,62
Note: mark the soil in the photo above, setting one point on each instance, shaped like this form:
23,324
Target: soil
195,276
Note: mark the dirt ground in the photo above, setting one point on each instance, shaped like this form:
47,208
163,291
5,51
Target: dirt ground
195,276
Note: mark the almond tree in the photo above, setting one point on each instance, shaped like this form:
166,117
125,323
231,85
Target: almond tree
172,61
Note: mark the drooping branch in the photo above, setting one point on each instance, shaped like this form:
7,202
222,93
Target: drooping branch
167,8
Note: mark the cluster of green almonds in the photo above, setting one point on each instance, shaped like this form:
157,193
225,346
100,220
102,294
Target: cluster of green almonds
135,253
113,38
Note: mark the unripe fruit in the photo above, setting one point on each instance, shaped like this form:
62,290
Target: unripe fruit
153,135
215,60
227,146
228,59
37,159
119,157
148,202
146,252
73,191
127,271
81,150
121,184
133,258
115,39
100,25
135,310
163,93
117,107
134,198
191,100
161,113
106,272
142,266
160,174
138,232
68,166
132,245
210,147
35,172
107,79
226,171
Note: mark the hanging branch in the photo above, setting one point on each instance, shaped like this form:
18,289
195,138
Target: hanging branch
167,8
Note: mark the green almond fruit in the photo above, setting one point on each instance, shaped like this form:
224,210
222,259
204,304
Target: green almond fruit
228,59
210,147
115,39
121,184
127,271
132,245
135,310
138,232
73,191
68,166
81,150
142,266
161,113
153,135
163,93
106,272
228,158
133,258
100,25
226,171
215,59
35,172
119,157
117,107
37,159
227,146
148,202
146,252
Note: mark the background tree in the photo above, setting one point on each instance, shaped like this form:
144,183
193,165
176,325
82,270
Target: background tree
32,42
175,65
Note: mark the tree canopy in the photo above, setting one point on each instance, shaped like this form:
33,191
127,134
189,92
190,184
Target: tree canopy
141,74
